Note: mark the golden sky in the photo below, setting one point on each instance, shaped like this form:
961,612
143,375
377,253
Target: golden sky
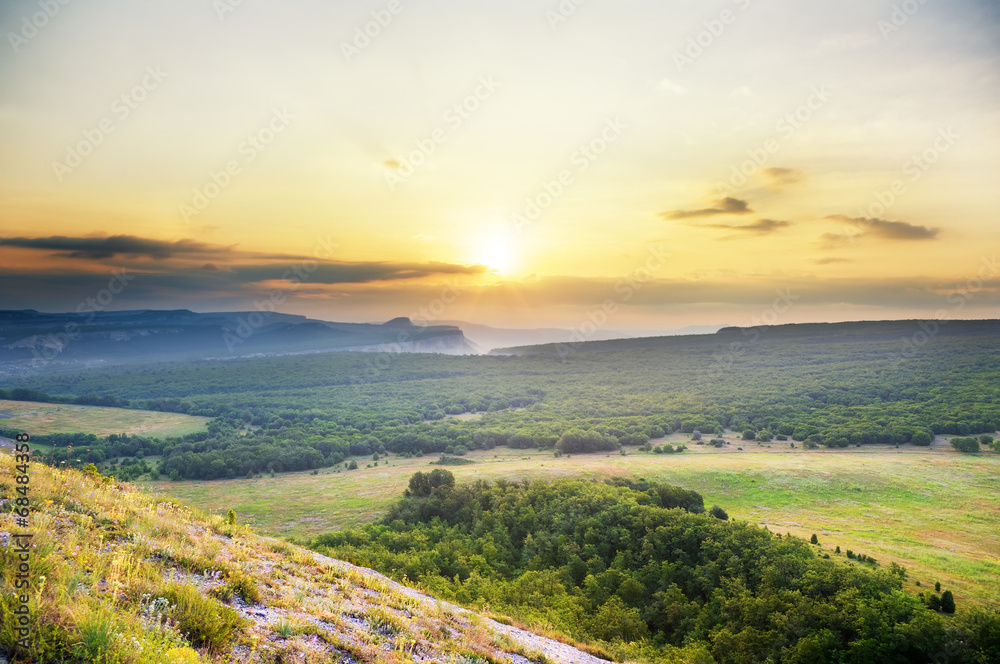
671,163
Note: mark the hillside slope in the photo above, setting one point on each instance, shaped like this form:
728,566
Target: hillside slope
118,576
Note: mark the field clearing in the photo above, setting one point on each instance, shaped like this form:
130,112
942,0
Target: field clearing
932,510
44,418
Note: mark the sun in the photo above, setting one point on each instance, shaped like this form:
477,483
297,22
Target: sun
497,250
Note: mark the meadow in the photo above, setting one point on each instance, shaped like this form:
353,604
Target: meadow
46,418
932,510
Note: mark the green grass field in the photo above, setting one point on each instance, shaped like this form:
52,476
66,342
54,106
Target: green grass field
43,418
932,510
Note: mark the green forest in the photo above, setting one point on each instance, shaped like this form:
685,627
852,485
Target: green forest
823,386
643,570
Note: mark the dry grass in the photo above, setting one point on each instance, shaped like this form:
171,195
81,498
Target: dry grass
120,575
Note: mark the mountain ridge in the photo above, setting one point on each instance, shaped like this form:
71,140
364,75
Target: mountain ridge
32,341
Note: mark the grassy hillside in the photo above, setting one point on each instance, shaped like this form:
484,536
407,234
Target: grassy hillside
122,576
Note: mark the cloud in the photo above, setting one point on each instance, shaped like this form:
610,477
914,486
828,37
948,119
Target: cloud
759,227
115,245
778,178
669,86
877,228
831,260
724,206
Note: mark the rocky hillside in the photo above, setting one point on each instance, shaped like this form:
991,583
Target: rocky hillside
118,575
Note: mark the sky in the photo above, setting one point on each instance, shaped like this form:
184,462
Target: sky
638,165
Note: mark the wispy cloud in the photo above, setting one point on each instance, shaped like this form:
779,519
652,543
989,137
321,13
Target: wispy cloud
881,229
724,206
759,227
779,178
99,247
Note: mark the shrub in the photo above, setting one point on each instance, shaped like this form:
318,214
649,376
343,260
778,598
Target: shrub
947,602
718,513
207,623
445,460
814,539
576,441
922,438
240,585
966,445
353,465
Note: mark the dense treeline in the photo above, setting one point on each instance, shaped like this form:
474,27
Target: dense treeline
309,411
643,569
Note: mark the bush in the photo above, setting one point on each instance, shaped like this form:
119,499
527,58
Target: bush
966,445
241,585
947,602
576,441
353,465
446,460
718,513
922,438
207,623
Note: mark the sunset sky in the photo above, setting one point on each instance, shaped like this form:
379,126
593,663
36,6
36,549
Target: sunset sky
686,161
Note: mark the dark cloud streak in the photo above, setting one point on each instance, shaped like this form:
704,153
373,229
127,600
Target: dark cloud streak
724,206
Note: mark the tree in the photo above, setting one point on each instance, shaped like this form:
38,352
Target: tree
947,602
231,517
814,539
615,620
696,435
423,484
966,445
937,587
353,465
718,513
922,438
